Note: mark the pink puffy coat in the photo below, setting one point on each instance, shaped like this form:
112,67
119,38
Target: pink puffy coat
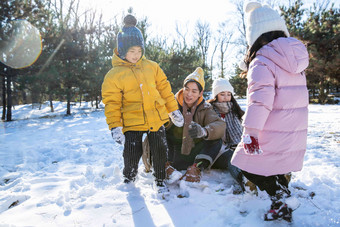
277,108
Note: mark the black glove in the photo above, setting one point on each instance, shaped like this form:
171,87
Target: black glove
197,131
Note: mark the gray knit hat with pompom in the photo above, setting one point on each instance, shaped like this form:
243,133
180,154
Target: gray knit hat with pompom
129,36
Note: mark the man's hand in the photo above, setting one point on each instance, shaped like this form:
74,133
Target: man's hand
197,131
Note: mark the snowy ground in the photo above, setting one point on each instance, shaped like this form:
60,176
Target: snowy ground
58,170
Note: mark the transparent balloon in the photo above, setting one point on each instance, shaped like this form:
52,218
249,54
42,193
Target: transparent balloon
20,44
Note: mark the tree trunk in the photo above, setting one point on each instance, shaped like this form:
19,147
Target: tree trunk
97,102
34,95
9,96
68,112
322,93
51,102
24,96
3,97
40,101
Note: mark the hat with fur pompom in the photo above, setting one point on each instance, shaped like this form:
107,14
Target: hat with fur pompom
129,36
262,19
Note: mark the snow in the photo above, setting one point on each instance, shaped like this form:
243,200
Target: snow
58,170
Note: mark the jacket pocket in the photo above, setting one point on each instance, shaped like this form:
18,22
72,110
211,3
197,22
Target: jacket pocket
133,114
161,109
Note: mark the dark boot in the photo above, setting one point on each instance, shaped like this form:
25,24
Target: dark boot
279,210
162,189
127,181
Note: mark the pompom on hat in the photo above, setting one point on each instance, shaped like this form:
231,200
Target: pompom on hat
197,75
220,85
129,36
262,19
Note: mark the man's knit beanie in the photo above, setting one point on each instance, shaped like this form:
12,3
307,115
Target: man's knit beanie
196,76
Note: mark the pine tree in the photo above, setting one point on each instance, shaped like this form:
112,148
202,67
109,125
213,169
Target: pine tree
239,83
320,32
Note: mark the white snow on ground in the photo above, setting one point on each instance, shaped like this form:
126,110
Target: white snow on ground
58,170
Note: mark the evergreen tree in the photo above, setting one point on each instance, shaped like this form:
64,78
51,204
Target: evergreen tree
179,63
239,83
11,10
320,32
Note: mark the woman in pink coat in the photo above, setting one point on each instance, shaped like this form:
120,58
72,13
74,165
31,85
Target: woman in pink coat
275,122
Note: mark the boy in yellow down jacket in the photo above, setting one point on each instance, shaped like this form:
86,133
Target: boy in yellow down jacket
138,99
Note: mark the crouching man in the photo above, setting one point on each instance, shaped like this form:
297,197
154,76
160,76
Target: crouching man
195,146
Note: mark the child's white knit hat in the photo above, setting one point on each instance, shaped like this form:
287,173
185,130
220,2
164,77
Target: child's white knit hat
262,19
220,85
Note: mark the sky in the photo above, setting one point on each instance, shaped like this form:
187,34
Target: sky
164,16
58,170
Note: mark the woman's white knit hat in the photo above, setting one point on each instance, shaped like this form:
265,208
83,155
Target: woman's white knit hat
220,85
262,19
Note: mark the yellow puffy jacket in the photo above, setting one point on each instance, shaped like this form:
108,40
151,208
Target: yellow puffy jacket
138,96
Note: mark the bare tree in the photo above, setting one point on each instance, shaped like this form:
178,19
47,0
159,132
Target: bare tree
319,6
181,35
202,38
242,19
213,53
272,3
240,16
224,42
241,25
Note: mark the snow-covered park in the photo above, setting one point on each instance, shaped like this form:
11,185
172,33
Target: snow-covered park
58,170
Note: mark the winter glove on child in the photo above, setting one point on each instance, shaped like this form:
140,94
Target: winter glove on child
251,145
177,118
197,131
117,135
